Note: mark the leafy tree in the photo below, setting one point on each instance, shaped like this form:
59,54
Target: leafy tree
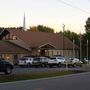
41,28
34,28
87,26
72,36
44,29
84,39
1,28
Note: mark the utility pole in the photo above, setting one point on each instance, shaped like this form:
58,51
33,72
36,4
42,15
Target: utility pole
64,47
87,49
63,37
73,48
80,47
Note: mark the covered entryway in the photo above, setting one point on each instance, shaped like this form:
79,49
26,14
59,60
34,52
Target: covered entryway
43,49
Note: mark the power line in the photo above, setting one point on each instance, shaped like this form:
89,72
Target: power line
68,4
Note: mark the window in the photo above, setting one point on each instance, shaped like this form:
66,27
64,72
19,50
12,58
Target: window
14,38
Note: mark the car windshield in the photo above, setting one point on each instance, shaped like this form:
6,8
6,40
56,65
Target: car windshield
23,59
58,57
61,58
37,59
53,58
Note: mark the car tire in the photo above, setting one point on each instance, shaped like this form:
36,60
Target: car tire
21,66
28,65
59,64
48,66
74,65
8,70
80,65
43,65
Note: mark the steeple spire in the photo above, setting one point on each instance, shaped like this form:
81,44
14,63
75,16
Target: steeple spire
24,23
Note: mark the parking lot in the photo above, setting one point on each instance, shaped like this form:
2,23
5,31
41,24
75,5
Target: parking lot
19,70
29,64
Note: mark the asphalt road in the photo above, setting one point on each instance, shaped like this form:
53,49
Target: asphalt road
70,82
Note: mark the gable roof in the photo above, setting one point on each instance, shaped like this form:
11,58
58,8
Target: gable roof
7,47
37,39
20,43
0,31
48,46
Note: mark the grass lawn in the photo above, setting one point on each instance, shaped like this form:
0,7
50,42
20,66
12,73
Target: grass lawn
35,75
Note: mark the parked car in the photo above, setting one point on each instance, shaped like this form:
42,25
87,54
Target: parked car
60,60
36,62
74,62
26,61
41,61
52,62
6,66
85,61
57,61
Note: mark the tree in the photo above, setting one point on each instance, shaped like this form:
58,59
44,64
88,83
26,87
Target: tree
72,36
45,29
1,28
87,26
85,37
34,28
41,28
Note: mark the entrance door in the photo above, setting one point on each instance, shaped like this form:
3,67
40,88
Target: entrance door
15,59
42,52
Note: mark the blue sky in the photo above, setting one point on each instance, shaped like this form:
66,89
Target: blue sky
52,13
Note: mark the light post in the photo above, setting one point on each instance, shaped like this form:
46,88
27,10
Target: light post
73,48
80,47
63,37
64,47
87,49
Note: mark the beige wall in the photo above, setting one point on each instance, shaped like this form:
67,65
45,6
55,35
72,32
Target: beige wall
55,52
7,57
67,53
13,57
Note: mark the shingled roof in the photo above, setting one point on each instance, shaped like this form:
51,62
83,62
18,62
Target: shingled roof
37,39
7,47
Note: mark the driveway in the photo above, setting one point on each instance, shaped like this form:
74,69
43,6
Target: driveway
69,82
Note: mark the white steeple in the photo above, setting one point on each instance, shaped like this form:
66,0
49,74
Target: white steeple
24,23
